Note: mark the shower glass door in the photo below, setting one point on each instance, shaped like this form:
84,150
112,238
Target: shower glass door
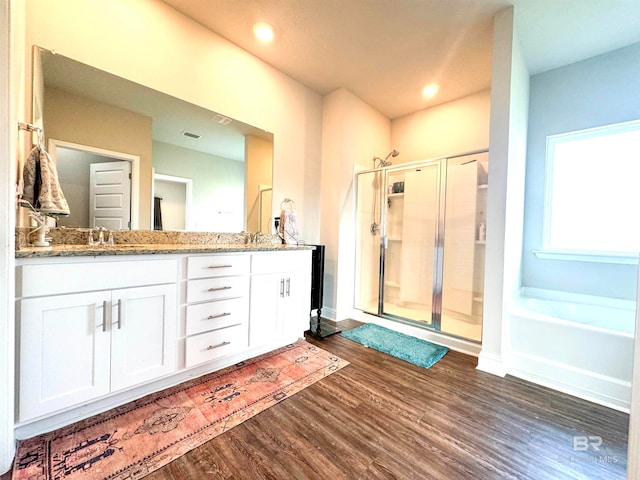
464,246
410,243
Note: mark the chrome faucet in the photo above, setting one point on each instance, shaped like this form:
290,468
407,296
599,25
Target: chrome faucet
101,234
257,236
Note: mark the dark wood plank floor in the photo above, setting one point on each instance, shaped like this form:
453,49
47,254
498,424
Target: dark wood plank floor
382,418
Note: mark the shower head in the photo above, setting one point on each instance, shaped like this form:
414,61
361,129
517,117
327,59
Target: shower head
392,153
385,162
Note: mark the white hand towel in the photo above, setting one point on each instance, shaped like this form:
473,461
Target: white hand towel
288,222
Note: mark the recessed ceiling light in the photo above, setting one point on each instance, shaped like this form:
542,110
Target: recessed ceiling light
430,90
263,32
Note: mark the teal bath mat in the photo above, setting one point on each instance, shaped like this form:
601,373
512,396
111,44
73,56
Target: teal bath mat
412,349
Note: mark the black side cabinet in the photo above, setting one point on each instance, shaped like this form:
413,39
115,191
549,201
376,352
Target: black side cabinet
317,328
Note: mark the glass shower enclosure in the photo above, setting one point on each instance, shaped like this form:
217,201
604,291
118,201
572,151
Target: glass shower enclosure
420,243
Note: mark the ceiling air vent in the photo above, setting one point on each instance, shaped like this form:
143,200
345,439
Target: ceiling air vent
221,119
191,135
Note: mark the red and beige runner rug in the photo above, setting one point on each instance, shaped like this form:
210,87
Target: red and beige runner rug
137,438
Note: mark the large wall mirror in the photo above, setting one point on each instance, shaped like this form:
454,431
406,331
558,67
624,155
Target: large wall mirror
131,157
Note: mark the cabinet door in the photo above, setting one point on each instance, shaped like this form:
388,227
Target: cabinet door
297,305
143,334
265,310
64,351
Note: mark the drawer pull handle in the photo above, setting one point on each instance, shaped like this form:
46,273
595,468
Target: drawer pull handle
217,289
220,266
220,315
213,347
104,316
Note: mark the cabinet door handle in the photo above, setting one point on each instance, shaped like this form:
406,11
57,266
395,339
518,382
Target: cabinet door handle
282,287
104,316
217,289
213,347
220,315
119,313
220,266
288,287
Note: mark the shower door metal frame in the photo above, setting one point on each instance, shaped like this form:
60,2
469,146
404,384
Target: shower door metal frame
438,270
436,302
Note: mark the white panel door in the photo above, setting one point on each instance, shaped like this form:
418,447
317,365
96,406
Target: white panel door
64,351
143,334
110,195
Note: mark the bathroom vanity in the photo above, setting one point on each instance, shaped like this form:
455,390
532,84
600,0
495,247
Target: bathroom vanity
97,328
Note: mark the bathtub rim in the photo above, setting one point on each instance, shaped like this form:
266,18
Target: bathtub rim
517,307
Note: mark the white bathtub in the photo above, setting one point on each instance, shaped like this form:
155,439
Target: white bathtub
578,344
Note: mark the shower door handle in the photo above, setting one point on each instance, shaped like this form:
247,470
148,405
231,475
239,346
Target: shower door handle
385,242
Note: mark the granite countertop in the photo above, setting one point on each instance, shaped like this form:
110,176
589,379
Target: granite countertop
149,249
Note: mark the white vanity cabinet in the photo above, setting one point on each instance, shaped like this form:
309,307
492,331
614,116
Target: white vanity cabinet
75,347
280,296
96,332
216,311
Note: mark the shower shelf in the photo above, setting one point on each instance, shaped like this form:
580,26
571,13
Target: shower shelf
391,195
478,299
392,284
481,242
482,187
394,239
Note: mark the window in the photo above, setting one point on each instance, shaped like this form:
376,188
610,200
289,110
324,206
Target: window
592,192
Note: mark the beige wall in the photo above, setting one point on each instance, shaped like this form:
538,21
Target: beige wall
84,121
353,133
148,42
448,129
258,171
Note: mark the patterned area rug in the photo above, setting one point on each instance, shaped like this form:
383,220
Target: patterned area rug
133,440
408,348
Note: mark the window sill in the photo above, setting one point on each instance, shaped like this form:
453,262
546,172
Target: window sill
604,257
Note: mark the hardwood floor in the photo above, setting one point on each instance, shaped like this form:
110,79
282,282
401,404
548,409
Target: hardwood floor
383,418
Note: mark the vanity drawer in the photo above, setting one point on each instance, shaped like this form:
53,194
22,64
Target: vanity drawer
209,346
215,315
217,265
217,288
269,262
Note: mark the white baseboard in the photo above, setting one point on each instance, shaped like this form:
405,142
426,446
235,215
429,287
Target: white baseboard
329,313
490,363
573,381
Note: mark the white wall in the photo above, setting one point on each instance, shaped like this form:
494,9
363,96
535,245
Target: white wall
11,105
150,43
595,92
218,186
509,109
448,129
352,134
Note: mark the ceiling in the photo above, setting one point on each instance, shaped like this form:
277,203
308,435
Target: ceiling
385,51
